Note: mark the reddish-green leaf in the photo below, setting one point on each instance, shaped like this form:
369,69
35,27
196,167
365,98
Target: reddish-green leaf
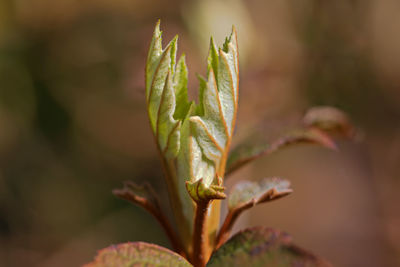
247,194
263,247
138,254
329,119
247,152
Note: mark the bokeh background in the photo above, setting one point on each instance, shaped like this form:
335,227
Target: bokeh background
73,124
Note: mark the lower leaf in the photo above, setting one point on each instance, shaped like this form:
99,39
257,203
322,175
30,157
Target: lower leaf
262,246
138,254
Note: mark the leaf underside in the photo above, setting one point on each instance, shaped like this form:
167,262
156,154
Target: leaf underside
262,247
138,254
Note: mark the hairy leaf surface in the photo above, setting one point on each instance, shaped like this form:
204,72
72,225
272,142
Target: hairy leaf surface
165,83
138,254
262,247
193,139
211,127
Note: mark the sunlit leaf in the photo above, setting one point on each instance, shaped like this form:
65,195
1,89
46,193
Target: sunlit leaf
262,247
211,127
138,254
193,139
209,130
163,83
181,90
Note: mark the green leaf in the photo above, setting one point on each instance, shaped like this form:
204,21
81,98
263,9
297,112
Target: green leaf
168,129
138,254
247,152
181,89
212,61
193,140
209,130
162,83
206,134
246,194
262,247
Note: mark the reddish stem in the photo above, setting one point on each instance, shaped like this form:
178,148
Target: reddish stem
158,215
175,241
226,228
200,235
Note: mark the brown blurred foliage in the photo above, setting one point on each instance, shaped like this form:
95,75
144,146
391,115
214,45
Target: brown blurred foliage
73,124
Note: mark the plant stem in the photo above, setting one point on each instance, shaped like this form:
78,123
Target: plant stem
154,209
176,205
173,238
226,228
200,235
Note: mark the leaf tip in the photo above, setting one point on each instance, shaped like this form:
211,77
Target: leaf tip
157,31
234,32
182,59
212,43
175,39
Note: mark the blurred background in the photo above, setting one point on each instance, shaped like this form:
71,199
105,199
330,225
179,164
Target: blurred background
73,124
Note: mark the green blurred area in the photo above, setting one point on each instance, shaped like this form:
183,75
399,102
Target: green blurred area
73,124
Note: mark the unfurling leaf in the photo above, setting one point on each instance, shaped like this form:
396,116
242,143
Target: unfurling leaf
193,139
245,153
263,247
164,84
329,119
168,106
210,127
206,135
199,192
138,254
247,194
